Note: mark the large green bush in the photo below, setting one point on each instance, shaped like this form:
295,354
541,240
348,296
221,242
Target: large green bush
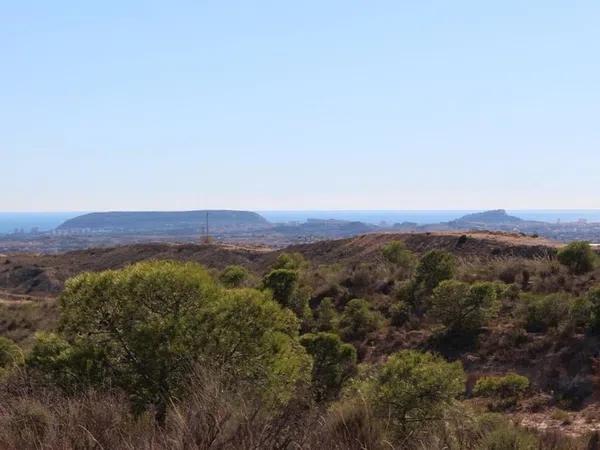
542,312
290,261
333,363
234,276
398,255
578,257
358,319
146,326
462,307
414,387
433,268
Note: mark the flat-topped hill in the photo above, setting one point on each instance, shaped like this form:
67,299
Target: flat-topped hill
157,221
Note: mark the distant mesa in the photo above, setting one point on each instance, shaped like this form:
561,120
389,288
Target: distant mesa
172,222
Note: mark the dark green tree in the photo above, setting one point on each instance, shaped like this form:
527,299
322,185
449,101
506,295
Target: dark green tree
283,284
462,307
358,320
290,261
326,316
578,257
333,363
413,388
233,276
433,268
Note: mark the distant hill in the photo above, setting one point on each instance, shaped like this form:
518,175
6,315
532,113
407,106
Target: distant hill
493,217
178,221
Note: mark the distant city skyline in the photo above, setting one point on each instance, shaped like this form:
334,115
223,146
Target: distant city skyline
145,105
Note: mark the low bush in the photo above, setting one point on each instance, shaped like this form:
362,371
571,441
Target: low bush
541,312
509,385
399,313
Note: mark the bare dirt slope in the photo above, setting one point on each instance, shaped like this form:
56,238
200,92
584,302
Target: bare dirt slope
45,274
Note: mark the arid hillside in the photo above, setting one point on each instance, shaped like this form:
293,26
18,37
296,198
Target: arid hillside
44,275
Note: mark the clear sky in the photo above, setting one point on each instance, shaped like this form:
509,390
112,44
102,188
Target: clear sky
311,104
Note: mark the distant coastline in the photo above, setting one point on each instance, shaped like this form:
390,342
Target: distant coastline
46,221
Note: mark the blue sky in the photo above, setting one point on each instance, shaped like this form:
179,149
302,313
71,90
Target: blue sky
299,105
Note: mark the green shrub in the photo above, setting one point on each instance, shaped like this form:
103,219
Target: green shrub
578,257
398,255
358,320
500,434
433,268
333,363
413,387
544,312
290,261
11,355
502,386
462,307
399,314
234,276
283,284
593,297
144,327
326,316
73,368
581,312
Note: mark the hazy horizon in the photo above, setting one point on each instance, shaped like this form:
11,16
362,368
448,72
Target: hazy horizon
47,221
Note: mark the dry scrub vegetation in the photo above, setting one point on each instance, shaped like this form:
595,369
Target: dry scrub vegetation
398,350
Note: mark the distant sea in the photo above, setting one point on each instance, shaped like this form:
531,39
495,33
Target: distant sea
9,222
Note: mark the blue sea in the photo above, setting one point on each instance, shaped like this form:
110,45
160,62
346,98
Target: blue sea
9,222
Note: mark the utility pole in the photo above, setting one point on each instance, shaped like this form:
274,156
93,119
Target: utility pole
206,237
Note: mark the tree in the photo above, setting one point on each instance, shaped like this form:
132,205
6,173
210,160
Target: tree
398,255
461,307
283,284
333,363
233,276
433,268
414,387
290,261
255,341
578,257
327,316
149,324
358,319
